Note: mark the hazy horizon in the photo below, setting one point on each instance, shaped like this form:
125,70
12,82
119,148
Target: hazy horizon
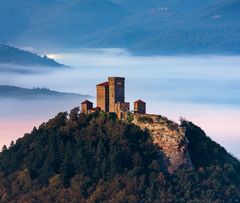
203,89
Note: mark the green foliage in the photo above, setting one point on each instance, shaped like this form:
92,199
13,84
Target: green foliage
17,56
145,119
152,27
130,117
203,151
98,158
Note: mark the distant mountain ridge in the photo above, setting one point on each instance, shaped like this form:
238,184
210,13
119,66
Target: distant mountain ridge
7,91
144,27
15,56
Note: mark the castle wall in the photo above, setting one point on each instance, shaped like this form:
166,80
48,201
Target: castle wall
120,108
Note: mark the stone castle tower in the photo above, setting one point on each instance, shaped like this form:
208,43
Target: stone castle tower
139,107
103,96
86,106
116,92
111,93
111,97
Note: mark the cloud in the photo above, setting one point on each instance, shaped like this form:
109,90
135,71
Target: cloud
17,69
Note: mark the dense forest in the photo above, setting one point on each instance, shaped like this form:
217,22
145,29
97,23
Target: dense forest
98,158
145,27
12,55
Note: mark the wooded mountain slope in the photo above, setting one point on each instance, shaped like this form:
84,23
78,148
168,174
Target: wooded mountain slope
141,26
15,56
98,158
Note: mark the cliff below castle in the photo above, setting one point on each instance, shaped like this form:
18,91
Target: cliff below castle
169,136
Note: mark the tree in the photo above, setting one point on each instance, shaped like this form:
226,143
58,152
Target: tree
4,148
57,181
74,117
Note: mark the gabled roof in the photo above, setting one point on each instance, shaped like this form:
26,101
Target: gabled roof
104,84
86,102
96,109
139,101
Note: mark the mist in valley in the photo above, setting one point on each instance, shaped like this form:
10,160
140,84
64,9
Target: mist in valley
203,89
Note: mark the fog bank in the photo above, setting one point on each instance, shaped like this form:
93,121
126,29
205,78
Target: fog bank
204,89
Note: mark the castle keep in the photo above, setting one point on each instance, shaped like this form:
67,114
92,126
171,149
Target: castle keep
111,98
116,92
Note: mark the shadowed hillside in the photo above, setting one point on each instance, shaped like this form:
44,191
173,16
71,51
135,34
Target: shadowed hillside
144,27
13,92
15,56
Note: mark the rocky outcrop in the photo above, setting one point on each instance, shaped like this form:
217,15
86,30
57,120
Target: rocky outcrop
169,136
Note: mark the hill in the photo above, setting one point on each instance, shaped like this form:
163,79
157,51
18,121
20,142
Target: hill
15,56
98,158
143,27
14,92
44,21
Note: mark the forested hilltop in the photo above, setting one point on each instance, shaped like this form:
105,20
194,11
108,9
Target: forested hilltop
15,56
146,27
98,158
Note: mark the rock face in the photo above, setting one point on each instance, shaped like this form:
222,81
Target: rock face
170,138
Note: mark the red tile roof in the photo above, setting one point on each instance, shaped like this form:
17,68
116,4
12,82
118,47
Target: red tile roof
95,109
86,102
139,101
103,84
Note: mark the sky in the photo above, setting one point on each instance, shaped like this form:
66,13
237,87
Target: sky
202,89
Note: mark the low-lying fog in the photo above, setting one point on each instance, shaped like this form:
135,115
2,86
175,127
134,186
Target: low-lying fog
203,89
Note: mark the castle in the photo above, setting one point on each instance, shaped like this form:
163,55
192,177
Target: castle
167,135
111,98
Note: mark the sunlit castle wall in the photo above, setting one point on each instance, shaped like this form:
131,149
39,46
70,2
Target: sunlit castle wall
116,91
103,96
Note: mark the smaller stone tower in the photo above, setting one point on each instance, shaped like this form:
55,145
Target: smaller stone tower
103,96
86,106
140,107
